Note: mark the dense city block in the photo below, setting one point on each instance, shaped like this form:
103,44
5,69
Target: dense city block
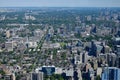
59,43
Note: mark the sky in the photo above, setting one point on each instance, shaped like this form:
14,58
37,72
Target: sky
59,3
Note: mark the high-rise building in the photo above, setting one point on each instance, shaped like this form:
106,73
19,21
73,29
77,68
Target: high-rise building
77,30
93,49
118,50
36,76
111,59
83,57
47,70
118,61
116,43
111,73
8,34
9,77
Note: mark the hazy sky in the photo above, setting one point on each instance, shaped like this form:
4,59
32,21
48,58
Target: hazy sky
60,3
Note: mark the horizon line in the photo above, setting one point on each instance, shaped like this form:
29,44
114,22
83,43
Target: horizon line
59,6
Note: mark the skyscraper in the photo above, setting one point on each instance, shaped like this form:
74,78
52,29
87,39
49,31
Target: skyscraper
93,49
111,73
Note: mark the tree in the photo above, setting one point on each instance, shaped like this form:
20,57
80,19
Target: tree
2,72
63,56
98,77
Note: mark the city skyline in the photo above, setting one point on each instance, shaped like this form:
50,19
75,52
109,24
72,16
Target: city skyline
60,3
